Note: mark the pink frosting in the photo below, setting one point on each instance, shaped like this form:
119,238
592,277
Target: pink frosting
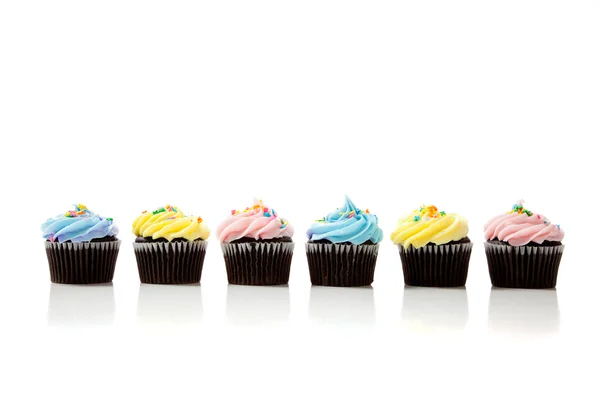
258,222
520,229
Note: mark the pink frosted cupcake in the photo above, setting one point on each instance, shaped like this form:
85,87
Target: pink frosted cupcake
523,249
257,246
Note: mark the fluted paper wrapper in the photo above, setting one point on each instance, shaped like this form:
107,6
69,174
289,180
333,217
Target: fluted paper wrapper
529,267
256,263
332,264
82,263
445,265
170,263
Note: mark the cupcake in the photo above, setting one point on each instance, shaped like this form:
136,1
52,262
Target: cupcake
169,246
342,247
81,246
434,248
523,249
257,246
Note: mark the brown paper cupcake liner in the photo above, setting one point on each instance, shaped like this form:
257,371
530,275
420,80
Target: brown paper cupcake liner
82,263
258,263
332,264
170,263
529,267
445,265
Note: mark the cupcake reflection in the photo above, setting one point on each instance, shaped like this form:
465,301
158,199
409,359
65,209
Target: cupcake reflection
258,305
523,311
426,308
342,305
81,305
169,304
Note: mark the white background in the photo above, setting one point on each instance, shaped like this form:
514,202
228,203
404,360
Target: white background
129,105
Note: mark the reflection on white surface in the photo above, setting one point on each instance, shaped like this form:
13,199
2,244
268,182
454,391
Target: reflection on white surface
342,305
258,305
435,308
523,311
169,304
80,305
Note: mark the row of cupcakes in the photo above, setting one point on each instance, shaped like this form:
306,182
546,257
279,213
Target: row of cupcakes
523,249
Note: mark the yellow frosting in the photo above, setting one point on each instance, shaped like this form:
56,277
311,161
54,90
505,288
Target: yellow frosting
428,225
170,223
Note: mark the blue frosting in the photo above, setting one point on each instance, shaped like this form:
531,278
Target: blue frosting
80,225
347,224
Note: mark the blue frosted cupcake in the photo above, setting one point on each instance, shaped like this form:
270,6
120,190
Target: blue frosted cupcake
82,247
342,247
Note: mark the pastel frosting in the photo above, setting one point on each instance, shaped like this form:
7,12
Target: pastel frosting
256,222
78,225
520,226
170,223
429,225
347,224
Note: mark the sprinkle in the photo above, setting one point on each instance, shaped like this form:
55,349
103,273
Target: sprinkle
558,226
443,213
109,219
232,212
416,218
367,211
545,222
145,211
266,214
200,220
159,211
79,213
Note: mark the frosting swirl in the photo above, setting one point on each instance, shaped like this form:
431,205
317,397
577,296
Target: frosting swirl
170,223
78,225
256,222
520,226
428,225
348,224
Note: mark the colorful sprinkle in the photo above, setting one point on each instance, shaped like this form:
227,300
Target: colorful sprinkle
443,213
109,219
518,208
200,220
416,218
159,211
266,214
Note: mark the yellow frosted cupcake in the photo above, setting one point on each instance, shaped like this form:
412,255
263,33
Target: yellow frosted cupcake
434,248
169,246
